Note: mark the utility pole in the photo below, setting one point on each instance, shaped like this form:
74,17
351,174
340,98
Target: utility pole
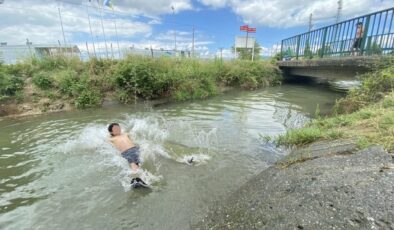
339,13
253,51
310,22
221,53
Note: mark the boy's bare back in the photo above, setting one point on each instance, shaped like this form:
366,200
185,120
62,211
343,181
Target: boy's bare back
122,142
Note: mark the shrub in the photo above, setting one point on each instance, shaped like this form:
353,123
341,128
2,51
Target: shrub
43,80
87,98
9,85
146,76
374,86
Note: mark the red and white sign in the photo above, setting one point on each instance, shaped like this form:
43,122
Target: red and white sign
252,30
244,28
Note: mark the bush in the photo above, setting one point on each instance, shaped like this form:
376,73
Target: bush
43,80
374,86
66,81
87,98
146,76
9,85
250,75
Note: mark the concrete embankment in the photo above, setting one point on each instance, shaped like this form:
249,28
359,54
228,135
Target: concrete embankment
327,185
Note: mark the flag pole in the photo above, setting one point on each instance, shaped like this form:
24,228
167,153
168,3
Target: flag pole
91,32
116,31
102,26
61,24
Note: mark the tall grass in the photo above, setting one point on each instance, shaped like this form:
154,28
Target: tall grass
85,84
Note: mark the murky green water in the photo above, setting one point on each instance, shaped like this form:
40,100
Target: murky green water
59,172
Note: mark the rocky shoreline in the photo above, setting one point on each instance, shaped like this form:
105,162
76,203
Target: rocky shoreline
327,185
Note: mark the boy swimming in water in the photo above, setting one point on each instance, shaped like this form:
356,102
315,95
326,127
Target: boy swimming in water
128,151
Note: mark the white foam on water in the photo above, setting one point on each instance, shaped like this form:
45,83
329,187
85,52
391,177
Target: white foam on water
94,139
149,133
194,159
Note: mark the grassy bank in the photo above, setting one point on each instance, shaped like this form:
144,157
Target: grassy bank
366,113
86,84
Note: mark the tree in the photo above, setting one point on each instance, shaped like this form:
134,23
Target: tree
246,53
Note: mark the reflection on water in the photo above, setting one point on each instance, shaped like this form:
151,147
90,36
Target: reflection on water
58,171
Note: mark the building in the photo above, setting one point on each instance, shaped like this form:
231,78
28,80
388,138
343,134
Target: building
11,54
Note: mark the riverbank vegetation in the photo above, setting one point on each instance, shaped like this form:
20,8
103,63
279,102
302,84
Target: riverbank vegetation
86,84
366,113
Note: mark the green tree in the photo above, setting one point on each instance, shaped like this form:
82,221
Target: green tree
246,53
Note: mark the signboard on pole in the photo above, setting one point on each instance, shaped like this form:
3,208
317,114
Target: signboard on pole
241,42
244,28
251,30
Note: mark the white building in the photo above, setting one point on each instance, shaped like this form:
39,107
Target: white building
11,54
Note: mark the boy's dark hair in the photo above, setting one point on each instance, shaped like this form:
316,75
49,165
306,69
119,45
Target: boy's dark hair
111,126
359,23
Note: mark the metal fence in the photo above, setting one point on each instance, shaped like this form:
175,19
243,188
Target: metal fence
340,39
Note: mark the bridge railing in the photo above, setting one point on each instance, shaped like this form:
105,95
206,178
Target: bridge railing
339,39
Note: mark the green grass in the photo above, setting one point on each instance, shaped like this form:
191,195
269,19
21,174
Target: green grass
85,84
373,124
366,113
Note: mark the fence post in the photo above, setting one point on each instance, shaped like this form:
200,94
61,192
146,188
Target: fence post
323,42
281,51
365,35
298,46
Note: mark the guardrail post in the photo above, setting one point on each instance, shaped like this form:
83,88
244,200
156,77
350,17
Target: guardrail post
298,46
281,51
365,35
323,47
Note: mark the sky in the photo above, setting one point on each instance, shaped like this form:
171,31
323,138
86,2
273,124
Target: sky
155,23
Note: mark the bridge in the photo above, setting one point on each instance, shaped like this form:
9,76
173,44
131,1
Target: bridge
340,50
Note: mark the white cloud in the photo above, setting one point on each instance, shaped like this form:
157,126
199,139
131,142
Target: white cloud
152,9
40,23
215,3
289,13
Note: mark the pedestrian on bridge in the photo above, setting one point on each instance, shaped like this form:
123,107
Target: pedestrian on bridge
358,40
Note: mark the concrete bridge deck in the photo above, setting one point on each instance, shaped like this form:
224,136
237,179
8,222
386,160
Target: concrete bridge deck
330,68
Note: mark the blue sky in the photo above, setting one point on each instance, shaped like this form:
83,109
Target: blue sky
152,23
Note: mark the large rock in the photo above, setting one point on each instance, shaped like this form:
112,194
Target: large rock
324,191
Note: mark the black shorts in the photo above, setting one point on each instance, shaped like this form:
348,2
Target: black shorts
132,155
357,43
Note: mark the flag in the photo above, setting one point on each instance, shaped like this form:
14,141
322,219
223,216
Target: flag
107,3
244,28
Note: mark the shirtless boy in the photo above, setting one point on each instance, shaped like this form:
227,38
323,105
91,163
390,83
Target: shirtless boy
128,151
